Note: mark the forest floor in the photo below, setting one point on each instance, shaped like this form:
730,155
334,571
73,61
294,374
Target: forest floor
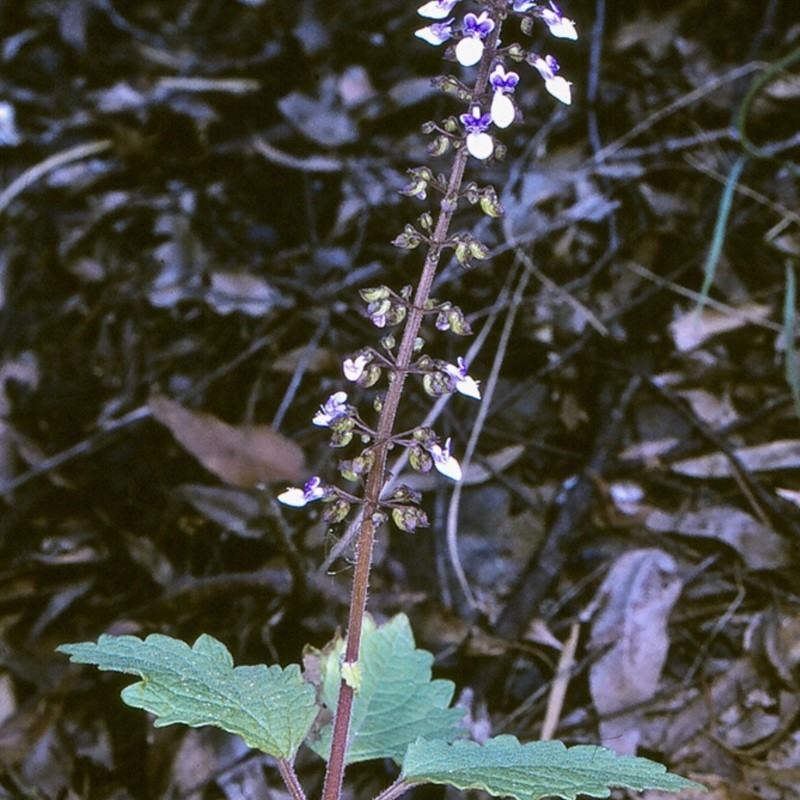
191,195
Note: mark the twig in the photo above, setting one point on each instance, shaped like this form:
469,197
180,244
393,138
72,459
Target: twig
38,171
558,689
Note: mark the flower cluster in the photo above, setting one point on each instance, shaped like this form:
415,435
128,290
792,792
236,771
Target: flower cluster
426,451
476,41
469,48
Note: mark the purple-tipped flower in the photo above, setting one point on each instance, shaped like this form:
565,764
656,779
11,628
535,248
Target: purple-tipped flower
436,34
335,406
479,143
353,368
437,9
297,498
502,80
521,6
476,27
558,25
444,462
557,86
503,83
462,382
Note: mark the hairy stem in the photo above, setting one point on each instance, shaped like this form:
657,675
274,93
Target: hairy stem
377,476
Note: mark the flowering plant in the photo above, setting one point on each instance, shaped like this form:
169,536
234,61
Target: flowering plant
374,682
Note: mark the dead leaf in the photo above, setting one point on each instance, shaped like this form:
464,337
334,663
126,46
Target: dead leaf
758,545
691,329
243,456
239,291
631,611
656,35
781,454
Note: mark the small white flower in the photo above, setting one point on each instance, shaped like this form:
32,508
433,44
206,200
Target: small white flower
502,110
353,368
558,25
444,462
335,406
436,34
476,27
297,498
480,145
469,51
437,9
463,383
555,84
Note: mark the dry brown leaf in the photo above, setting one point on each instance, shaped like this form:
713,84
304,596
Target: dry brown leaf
322,360
691,329
657,35
759,546
780,454
631,611
243,456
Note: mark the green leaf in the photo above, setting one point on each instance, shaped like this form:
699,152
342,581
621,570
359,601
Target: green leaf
505,768
396,701
271,708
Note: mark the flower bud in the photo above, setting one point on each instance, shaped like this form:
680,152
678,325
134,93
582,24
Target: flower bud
426,221
516,52
450,202
490,203
471,192
379,308
450,125
437,383
424,435
458,323
407,494
370,295
419,459
438,147
336,511
447,83
370,377
478,250
396,315
363,464
409,518
526,25
346,470
388,342
408,239
341,438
